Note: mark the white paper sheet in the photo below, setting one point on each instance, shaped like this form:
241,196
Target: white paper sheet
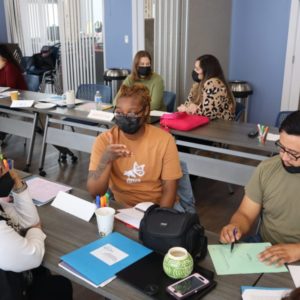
7,94
134,222
4,88
295,273
263,294
133,215
272,137
101,115
21,103
74,206
157,113
42,191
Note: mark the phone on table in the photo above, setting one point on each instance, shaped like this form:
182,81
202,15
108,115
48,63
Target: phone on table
188,286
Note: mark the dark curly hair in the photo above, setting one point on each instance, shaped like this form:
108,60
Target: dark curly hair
291,125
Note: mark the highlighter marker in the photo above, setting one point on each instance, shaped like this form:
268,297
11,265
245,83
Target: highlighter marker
6,165
98,201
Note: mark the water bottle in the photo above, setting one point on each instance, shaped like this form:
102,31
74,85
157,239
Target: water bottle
98,100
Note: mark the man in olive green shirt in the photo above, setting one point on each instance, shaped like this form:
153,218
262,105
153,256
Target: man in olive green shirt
274,193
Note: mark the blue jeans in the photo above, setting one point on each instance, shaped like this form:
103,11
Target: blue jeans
185,192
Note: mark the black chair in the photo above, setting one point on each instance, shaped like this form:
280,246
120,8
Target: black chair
281,117
85,92
169,100
88,91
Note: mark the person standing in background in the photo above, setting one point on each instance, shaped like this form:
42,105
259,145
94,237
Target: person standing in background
210,95
142,73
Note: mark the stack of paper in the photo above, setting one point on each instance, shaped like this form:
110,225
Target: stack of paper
262,293
21,103
98,262
3,88
58,100
133,216
43,191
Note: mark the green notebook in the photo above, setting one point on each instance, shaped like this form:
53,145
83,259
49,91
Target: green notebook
242,260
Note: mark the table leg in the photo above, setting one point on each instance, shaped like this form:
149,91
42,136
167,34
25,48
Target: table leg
29,156
44,147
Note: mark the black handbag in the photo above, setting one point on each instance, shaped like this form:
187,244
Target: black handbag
164,228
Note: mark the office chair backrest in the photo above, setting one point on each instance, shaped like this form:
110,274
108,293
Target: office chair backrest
33,82
88,91
281,117
169,100
239,110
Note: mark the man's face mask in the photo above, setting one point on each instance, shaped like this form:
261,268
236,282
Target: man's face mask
144,71
129,125
6,184
195,76
291,169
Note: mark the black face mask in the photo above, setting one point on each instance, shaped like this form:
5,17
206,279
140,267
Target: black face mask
195,76
129,125
291,169
6,184
144,71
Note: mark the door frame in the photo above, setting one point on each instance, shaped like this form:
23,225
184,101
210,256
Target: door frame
288,99
138,26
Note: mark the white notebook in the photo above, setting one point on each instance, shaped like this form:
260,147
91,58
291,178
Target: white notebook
133,216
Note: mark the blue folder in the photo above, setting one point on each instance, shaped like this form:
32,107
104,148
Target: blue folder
97,271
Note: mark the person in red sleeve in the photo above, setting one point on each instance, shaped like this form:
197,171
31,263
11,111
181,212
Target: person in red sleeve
10,71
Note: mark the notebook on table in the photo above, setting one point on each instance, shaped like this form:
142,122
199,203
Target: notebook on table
154,281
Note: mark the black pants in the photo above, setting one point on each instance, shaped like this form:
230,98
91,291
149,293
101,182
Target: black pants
36,284
49,287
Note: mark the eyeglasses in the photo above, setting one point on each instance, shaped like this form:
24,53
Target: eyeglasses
282,149
118,114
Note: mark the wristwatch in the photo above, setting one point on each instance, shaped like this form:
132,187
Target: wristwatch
22,188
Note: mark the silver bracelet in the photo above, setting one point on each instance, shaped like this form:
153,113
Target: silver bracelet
21,189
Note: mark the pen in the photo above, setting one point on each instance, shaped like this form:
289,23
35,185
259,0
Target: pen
6,165
234,234
98,201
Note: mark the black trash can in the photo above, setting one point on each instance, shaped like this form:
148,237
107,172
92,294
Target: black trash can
114,78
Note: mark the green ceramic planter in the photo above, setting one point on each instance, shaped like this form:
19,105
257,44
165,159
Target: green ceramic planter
178,263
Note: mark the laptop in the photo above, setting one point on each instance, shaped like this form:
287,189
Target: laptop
148,276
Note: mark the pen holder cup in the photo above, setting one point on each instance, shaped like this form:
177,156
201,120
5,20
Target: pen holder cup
178,263
105,220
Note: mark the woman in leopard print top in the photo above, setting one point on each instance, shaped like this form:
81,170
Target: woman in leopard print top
210,96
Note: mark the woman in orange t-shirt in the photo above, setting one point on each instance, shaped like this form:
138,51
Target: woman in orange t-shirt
137,161
10,71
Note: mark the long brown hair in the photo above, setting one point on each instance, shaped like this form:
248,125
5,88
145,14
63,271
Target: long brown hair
212,69
135,64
